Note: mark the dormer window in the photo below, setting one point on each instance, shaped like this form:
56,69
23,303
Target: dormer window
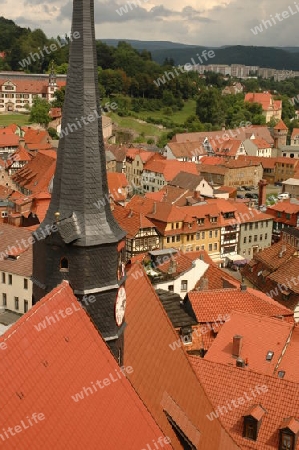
213,219
288,434
200,221
64,265
252,422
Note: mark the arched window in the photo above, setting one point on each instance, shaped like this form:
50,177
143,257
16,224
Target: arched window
64,265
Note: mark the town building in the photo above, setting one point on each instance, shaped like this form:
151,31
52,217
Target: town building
158,173
233,173
257,147
18,89
295,137
271,108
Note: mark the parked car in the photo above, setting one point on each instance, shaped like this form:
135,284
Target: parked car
255,196
278,183
249,195
246,188
240,196
283,196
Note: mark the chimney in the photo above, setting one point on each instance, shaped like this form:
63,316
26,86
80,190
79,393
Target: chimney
243,287
262,192
237,346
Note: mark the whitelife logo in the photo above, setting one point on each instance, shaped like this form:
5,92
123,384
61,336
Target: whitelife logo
24,425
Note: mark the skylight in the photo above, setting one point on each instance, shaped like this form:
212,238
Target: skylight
269,356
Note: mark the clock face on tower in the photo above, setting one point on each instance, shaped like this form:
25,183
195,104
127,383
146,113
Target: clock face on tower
120,306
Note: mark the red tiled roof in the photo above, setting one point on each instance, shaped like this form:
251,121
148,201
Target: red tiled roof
295,133
67,357
130,221
187,149
287,272
265,99
9,140
280,125
274,256
260,335
170,168
225,384
117,182
215,278
32,86
161,373
286,206
33,136
267,163
261,143
12,241
229,147
208,304
37,174
289,362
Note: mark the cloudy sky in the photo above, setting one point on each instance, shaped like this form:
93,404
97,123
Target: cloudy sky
202,22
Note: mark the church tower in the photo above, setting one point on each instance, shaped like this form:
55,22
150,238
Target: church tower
79,239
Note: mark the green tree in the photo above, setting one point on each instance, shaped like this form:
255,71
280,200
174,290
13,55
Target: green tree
59,95
39,112
209,107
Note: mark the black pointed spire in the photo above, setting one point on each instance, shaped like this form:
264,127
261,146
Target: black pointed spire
84,244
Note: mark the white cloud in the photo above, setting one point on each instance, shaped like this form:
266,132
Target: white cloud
209,22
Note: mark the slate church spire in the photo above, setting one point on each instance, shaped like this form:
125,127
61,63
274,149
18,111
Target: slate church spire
85,244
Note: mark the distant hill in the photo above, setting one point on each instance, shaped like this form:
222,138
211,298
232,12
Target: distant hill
148,45
277,58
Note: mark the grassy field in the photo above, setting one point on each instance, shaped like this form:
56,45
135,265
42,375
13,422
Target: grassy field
19,119
147,130
178,117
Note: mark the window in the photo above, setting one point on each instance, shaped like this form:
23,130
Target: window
286,442
266,236
25,283
177,225
215,246
216,233
4,300
245,226
17,303
261,237
210,234
9,279
255,238
267,224
173,239
250,428
4,214
170,287
244,240
249,239
178,238
184,285
256,225
197,236
25,306
3,277
288,216
168,240
202,247
210,247
250,226
262,224
203,235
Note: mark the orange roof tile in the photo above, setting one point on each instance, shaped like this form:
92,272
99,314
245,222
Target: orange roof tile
162,377
208,304
260,335
280,125
68,357
117,182
225,384
170,167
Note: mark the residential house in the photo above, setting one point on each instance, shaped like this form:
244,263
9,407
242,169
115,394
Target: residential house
285,213
271,108
15,268
230,149
295,137
172,270
136,161
291,186
120,156
289,151
110,161
187,151
255,230
18,89
141,236
268,165
193,183
158,173
233,173
275,271
213,307
9,143
235,88
257,147
285,168
17,160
